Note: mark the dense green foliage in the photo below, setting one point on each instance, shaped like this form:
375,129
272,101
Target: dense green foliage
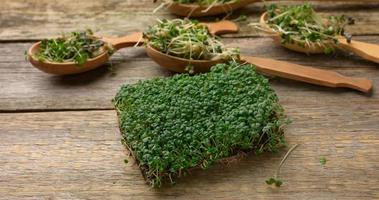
300,24
204,2
76,47
187,39
181,122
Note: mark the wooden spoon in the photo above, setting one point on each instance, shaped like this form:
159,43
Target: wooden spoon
365,50
73,68
221,27
194,10
267,66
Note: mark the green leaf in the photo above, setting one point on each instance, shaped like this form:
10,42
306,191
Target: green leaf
273,181
329,50
322,160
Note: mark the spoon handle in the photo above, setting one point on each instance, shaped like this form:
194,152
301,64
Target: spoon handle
222,27
365,50
125,41
308,74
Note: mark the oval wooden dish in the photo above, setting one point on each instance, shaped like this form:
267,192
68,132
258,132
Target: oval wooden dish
73,68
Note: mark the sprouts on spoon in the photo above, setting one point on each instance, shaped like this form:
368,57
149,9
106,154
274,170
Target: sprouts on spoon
206,5
75,47
187,39
301,25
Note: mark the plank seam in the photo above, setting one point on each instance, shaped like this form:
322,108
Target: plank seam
54,110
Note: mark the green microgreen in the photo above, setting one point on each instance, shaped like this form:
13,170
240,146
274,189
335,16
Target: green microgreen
182,122
275,179
241,18
322,160
188,39
75,47
301,25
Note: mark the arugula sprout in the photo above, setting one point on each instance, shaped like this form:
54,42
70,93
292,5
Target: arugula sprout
76,47
187,39
174,124
275,179
322,160
301,25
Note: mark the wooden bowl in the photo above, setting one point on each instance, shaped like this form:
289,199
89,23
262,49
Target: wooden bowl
308,49
67,67
177,64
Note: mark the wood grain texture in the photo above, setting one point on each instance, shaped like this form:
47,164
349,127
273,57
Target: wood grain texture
27,88
78,155
59,135
33,20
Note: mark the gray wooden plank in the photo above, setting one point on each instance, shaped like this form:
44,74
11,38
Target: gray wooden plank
78,155
31,20
25,88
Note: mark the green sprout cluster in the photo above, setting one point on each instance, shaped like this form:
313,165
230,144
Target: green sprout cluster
183,122
187,39
301,25
75,47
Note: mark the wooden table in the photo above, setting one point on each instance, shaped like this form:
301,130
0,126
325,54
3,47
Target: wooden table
59,137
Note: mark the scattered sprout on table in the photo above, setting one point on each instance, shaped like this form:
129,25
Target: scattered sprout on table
275,179
301,25
187,39
322,160
75,47
171,125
